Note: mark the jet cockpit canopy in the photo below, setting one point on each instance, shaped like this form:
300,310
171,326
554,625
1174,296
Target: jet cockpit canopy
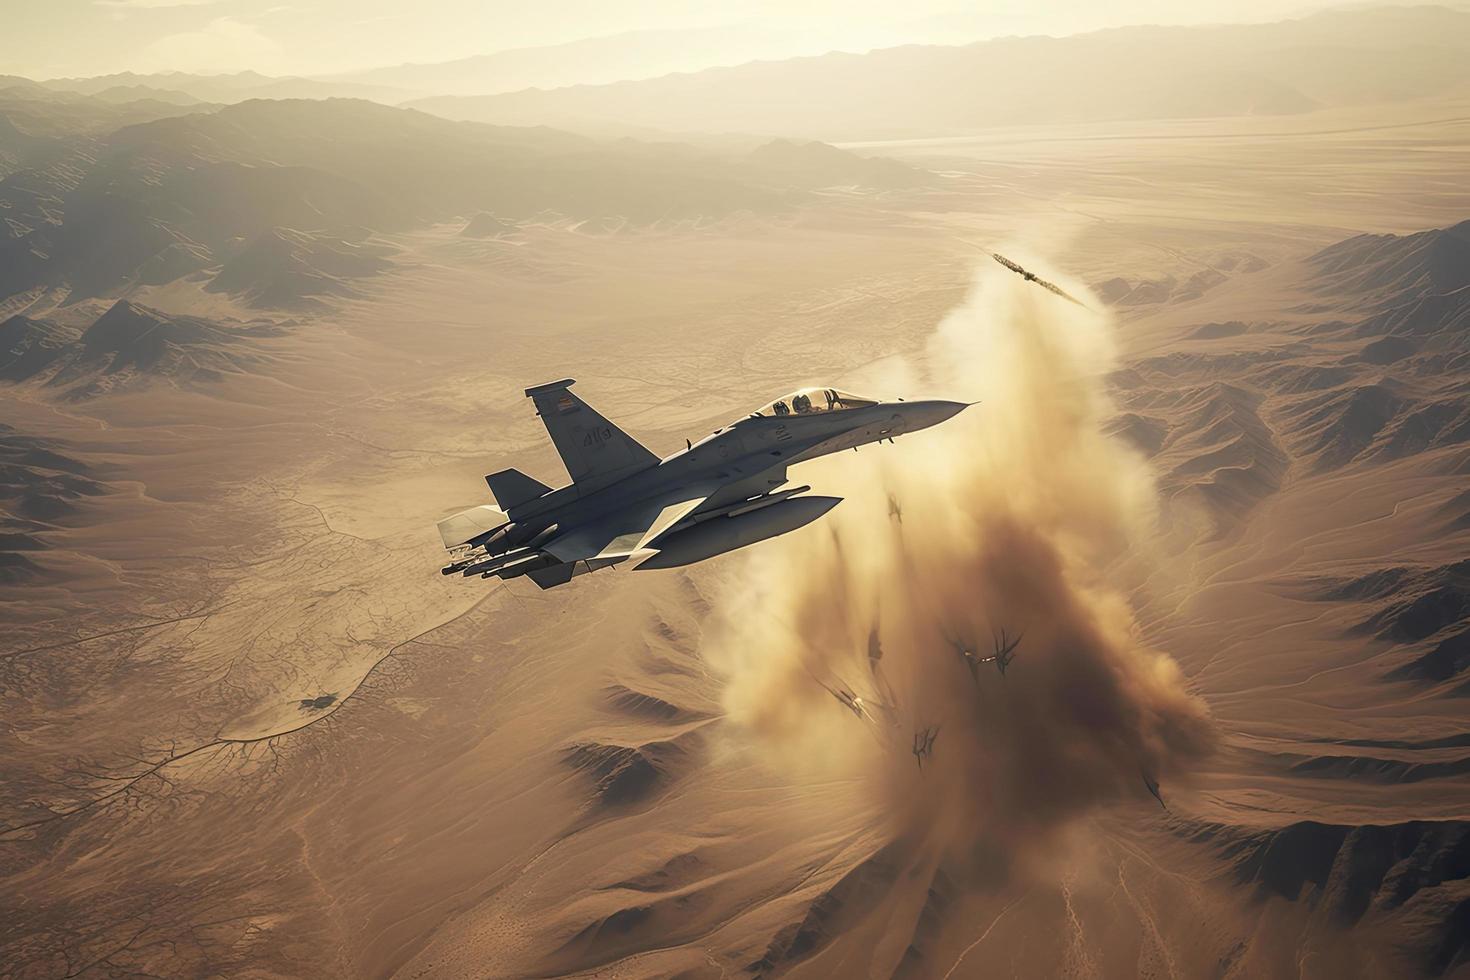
811,401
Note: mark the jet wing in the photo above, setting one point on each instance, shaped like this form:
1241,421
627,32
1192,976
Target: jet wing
626,531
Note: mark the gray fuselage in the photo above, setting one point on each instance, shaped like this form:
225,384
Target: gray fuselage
741,460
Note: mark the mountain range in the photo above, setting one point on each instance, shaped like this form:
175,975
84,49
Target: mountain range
278,200
590,61
1337,58
222,88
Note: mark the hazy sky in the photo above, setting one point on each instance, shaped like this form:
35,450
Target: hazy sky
47,38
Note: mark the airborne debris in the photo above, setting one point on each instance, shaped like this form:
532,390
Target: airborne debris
924,744
1004,652
1153,787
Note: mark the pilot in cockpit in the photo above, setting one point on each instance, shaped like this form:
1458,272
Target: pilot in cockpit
801,403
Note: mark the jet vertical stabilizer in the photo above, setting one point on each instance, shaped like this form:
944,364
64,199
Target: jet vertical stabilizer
596,452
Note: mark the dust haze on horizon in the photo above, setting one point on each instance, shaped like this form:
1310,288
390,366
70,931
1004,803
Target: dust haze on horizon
322,37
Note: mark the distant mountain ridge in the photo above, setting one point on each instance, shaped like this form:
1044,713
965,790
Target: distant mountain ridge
222,88
1342,57
589,61
277,200
812,164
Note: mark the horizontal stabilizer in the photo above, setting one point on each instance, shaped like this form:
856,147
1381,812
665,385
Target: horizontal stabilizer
623,532
470,524
513,488
550,578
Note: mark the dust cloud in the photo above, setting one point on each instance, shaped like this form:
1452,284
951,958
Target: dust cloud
1020,515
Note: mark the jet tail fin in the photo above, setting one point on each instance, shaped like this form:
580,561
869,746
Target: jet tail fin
596,452
513,488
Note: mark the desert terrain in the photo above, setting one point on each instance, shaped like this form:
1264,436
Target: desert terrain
248,729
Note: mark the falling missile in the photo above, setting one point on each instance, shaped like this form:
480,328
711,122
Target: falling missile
1030,276
1033,277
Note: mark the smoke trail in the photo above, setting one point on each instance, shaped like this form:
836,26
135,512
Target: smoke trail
1019,514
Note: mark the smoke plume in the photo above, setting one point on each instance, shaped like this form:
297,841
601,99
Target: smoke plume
1019,515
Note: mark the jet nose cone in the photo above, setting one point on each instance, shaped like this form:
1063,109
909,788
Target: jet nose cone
944,410
922,414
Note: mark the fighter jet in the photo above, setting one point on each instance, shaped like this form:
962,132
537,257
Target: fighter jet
626,504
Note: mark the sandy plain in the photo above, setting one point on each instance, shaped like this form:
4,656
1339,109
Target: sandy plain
249,730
